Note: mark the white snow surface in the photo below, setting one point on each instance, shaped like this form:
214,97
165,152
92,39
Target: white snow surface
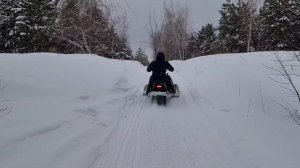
85,111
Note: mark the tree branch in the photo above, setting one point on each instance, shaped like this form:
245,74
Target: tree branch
71,42
288,77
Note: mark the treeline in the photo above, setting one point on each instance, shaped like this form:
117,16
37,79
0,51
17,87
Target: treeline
276,26
66,26
242,28
81,26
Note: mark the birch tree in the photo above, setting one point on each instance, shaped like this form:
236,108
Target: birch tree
171,35
86,28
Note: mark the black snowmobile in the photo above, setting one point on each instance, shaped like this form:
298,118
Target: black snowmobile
160,92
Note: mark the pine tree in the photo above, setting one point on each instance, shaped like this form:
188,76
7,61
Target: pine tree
9,29
141,57
243,23
208,36
39,18
295,15
192,47
123,51
227,29
203,42
236,27
28,25
279,25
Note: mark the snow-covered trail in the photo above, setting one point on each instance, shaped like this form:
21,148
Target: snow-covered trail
125,131
185,134
197,130
100,119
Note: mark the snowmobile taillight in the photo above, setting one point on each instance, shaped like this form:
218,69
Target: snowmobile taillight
159,87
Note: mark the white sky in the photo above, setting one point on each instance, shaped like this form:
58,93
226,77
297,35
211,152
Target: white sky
138,12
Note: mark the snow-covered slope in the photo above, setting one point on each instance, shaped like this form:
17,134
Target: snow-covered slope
85,111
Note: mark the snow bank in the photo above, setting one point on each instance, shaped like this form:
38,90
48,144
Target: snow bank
87,111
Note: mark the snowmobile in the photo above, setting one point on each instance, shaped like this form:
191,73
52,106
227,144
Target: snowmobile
160,93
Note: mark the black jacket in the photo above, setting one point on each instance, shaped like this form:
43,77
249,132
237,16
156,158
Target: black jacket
159,68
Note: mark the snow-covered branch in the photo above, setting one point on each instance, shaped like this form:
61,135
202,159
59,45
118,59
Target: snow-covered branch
70,42
288,76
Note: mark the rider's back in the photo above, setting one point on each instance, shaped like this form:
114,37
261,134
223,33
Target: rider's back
160,66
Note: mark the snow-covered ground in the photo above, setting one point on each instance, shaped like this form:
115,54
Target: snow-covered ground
85,111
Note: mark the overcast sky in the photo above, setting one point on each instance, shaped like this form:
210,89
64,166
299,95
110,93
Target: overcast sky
138,12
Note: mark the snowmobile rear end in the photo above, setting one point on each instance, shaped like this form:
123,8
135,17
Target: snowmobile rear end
160,93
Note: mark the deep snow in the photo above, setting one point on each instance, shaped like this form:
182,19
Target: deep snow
85,111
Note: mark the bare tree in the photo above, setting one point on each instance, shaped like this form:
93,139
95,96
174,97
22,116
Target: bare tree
120,23
171,35
155,35
293,89
87,27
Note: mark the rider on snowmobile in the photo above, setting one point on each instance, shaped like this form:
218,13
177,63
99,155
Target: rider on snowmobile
159,68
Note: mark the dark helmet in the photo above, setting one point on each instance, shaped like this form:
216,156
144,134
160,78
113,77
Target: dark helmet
160,56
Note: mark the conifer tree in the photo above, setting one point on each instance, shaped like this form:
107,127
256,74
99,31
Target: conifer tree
202,42
236,26
9,29
192,47
141,57
227,29
279,25
27,26
295,15
243,22
39,18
